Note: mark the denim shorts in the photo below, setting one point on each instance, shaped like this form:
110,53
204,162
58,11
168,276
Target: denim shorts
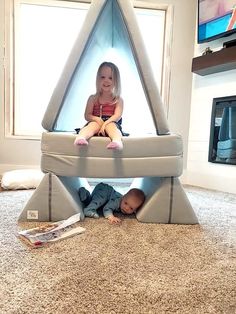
104,118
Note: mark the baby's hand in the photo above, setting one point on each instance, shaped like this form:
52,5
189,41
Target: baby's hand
114,220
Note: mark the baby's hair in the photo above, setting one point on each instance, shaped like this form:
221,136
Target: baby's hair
137,193
115,76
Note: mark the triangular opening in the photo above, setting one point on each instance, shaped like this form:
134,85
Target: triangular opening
110,39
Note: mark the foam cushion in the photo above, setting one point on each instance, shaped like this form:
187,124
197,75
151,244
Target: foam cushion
21,179
141,156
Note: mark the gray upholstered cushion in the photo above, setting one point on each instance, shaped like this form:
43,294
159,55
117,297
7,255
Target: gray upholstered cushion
141,156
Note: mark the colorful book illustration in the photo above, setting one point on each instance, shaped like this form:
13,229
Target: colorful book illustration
51,232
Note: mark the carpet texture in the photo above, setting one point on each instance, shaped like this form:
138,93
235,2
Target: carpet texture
133,268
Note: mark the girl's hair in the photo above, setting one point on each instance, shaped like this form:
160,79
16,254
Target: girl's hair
115,76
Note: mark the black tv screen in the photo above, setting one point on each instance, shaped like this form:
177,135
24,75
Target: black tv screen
216,18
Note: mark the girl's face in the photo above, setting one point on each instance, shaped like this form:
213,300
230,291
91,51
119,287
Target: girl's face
106,82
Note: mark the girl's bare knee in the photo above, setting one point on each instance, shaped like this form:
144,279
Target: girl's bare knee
112,131
94,126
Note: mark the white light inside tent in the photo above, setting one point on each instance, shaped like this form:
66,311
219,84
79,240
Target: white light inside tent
137,117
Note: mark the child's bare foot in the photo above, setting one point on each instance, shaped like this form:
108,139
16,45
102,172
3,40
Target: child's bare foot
81,141
115,145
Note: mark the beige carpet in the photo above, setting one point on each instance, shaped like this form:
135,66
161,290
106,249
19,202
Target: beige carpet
132,268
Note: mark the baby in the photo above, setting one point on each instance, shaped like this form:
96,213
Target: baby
106,197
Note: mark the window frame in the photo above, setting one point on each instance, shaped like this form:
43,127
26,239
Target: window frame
10,21
168,33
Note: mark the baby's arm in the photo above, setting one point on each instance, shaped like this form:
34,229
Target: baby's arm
111,206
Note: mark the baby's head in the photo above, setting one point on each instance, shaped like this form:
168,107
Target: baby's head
131,201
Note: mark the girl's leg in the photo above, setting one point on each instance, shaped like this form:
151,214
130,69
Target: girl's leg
86,132
115,135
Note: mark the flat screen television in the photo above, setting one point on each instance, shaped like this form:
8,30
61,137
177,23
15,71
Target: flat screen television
216,18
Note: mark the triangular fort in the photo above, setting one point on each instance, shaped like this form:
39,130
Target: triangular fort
110,27
155,162
55,199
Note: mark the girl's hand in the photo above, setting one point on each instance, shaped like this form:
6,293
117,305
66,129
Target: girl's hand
99,121
114,220
102,130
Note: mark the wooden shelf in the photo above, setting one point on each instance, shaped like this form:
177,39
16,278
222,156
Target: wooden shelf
219,61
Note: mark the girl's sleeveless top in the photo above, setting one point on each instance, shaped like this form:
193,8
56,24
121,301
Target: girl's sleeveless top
106,109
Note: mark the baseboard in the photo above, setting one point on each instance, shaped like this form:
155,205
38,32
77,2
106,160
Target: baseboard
216,182
219,182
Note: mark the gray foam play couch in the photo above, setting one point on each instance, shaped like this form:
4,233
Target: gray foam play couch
154,161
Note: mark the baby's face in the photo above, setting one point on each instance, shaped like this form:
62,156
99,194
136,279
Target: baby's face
129,204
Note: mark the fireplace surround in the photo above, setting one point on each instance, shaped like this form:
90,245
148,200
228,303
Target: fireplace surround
222,145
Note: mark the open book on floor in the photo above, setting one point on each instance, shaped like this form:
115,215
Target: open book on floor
51,232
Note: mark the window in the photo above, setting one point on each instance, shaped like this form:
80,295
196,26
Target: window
148,20
44,32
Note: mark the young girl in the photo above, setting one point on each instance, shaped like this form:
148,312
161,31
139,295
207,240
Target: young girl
104,109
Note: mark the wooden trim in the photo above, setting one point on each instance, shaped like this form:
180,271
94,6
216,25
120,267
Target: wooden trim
219,61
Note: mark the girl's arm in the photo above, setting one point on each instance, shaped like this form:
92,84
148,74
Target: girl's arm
117,113
114,118
88,114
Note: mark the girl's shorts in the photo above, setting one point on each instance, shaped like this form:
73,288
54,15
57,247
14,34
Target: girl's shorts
104,118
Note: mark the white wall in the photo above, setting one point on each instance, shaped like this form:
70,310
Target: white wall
199,171
181,63
16,153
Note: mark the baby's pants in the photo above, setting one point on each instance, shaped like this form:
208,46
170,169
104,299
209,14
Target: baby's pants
100,196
